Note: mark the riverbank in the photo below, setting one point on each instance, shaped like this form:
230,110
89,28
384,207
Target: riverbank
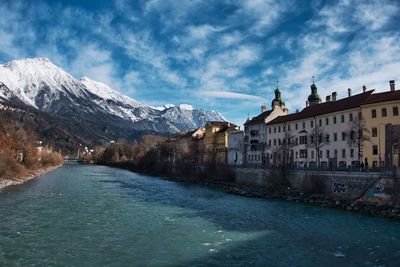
359,206
6,182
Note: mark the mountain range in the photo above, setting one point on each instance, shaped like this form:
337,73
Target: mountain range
39,84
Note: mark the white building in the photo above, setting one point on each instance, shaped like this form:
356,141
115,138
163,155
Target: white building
235,148
255,135
291,137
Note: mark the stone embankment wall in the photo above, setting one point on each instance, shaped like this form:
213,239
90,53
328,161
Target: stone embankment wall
375,187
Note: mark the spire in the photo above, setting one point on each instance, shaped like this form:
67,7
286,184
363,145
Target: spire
278,98
314,98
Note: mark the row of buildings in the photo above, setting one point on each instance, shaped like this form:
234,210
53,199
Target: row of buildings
359,130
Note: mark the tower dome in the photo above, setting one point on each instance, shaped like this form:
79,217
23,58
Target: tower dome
278,98
314,98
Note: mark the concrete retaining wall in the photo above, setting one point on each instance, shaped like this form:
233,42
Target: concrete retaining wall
339,185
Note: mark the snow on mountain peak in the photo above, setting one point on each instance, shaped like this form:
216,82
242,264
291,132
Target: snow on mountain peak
185,107
41,84
104,91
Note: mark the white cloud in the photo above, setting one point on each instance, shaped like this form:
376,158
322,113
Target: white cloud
229,95
201,32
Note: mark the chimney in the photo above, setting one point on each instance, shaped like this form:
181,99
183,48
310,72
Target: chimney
392,86
364,88
328,98
263,108
334,95
349,91
307,103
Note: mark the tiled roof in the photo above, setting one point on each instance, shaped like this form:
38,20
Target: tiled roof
189,134
383,97
258,119
227,128
325,108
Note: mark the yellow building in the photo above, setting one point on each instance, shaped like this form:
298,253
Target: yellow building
381,112
216,141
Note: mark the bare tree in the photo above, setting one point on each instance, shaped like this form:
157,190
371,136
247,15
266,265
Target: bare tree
317,139
357,134
286,147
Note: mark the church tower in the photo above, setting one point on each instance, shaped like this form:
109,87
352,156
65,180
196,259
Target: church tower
314,98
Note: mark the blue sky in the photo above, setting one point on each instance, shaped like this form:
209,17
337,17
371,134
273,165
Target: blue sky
223,55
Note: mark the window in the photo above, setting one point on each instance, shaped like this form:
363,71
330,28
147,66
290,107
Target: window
303,153
295,126
279,141
374,150
343,136
304,125
279,129
269,130
269,142
334,120
288,127
335,153
342,118
334,137
374,132
352,153
320,153
297,154
312,124
351,117
395,149
254,132
303,140
343,153
326,121
395,111
274,142
312,154
373,113
274,129
327,138
328,154
320,122
384,112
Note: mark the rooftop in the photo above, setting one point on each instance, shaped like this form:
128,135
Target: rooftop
326,108
258,119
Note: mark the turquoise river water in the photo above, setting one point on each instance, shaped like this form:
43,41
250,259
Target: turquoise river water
101,216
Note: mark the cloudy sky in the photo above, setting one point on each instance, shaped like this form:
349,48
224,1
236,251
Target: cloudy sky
223,55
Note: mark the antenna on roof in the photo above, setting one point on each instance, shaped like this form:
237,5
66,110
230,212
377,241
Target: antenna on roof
277,84
313,79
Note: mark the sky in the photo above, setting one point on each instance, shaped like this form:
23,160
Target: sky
221,55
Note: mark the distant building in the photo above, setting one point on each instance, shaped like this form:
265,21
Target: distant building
235,148
255,135
216,141
380,111
291,138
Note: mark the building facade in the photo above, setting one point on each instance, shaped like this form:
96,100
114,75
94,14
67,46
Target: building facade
216,141
319,135
255,135
235,148
381,110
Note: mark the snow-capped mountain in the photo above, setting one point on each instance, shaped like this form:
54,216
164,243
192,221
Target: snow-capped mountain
39,83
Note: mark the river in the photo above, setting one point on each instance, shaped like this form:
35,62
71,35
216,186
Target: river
96,216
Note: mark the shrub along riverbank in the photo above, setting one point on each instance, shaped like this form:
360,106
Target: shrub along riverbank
148,157
20,157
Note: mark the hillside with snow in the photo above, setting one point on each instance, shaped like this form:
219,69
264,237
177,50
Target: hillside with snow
42,85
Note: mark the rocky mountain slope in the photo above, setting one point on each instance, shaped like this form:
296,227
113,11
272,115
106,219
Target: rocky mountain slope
40,84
